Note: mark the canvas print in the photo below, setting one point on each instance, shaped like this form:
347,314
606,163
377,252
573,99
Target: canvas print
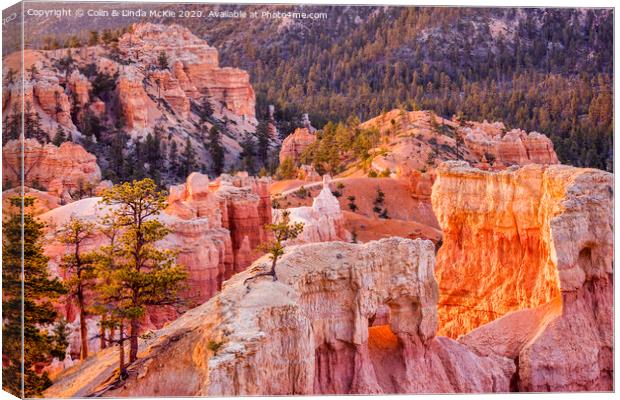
232,200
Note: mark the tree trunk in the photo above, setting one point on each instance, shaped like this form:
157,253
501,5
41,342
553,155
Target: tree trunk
121,352
273,269
133,340
83,327
102,342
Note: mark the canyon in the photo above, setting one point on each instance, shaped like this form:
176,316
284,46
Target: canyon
385,317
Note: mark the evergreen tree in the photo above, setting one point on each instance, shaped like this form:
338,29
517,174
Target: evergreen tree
248,154
60,137
93,38
262,133
12,125
24,239
206,110
137,158
143,274
32,125
188,163
216,149
108,300
153,154
173,159
282,230
287,169
80,270
116,170
162,60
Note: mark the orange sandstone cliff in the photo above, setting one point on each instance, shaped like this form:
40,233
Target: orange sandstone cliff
534,245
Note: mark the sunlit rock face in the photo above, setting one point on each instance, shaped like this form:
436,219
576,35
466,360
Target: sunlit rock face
58,170
194,71
362,318
323,221
534,245
514,147
295,144
340,318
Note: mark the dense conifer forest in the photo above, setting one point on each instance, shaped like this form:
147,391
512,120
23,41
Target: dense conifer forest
549,70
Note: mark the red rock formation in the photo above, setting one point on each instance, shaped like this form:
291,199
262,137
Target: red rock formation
341,318
133,100
59,170
195,66
421,140
296,143
210,247
421,184
80,88
51,97
246,209
170,89
537,238
515,147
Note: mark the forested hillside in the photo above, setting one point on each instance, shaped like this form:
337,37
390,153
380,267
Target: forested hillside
549,70
537,69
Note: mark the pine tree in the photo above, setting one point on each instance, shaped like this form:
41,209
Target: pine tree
137,158
153,154
188,163
32,125
248,155
60,137
216,149
173,159
262,133
287,169
282,230
80,270
162,60
24,239
117,155
206,110
12,125
143,275
93,38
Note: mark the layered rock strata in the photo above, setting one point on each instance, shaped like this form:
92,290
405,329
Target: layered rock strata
341,318
195,70
514,147
215,228
534,245
59,170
